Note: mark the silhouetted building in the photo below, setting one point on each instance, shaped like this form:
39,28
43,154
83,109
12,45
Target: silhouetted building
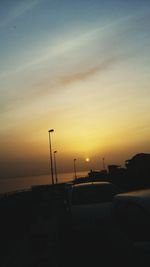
117,175
139,161
138,170
113,169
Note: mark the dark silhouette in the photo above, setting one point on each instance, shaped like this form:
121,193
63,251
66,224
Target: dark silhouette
117,175
35,225
138,170
98,175
135,175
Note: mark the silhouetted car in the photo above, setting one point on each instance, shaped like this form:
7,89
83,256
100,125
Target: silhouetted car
92,192
91,232
132,213
132,217
90,204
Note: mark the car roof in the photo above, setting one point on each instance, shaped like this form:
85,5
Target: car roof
141,197
88,184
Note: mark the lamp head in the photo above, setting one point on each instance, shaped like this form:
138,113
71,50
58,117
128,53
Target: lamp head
51,130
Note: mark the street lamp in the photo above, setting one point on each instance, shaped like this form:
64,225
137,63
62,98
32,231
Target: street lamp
51,160
55,166
103,164
75,175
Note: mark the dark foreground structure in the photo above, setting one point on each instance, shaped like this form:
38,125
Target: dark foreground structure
36,225
30,225
135,175
36,230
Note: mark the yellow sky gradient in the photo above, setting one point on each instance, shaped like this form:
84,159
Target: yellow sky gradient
89,82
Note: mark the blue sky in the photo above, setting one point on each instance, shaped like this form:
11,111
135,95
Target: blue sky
81,67
25,26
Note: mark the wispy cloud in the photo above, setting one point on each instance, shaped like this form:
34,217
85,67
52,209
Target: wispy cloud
49,86
84,75
69,44
18,10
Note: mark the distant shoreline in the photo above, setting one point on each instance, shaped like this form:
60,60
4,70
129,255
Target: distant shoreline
25,182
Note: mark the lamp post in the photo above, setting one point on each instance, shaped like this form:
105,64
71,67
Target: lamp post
75,175
103,164
51,160
55,166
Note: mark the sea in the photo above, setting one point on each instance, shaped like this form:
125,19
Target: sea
24,183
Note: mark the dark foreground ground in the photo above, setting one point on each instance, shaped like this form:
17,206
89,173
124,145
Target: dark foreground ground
35,231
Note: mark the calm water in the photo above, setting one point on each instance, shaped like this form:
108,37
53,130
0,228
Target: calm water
13,184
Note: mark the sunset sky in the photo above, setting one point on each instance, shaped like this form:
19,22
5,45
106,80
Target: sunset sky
80,67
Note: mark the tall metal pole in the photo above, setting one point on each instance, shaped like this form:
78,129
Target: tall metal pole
103,164
75,172
51,160
55,166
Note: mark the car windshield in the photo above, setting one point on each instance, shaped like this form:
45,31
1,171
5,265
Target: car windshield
89,194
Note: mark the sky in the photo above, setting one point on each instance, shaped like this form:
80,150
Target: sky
81,68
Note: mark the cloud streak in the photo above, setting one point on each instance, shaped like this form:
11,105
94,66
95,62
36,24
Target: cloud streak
59,82
84,75
68,45
18,11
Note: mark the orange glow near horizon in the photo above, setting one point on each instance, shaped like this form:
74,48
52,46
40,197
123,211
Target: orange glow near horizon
90,84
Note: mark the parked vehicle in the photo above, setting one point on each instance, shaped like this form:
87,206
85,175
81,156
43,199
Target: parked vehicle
93,192
90,204
89,222
132,213
132,217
